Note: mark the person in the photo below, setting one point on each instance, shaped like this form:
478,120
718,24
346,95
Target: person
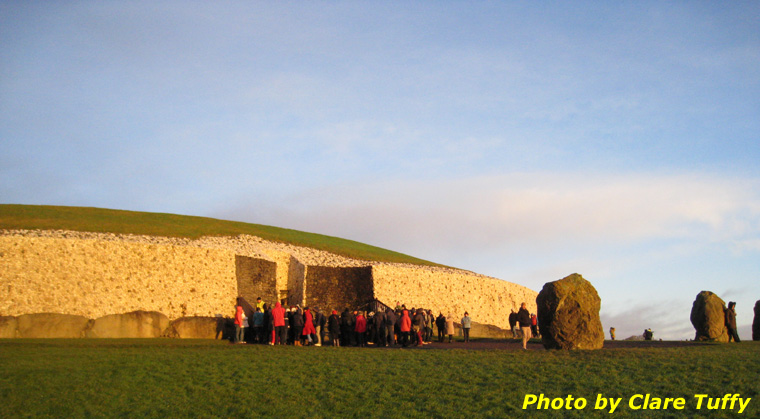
523,319
346,328
239,327
260,304
296,323
440,324
513,323
418,325
390,327
450,327
308,326
405,326
360,328
333,327
648,334
380,334
258,326
731,322
466,325
280,333
612,333
533,324
430,321
319,325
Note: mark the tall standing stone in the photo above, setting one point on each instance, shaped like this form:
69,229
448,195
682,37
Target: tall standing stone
568,314
756,322
708,318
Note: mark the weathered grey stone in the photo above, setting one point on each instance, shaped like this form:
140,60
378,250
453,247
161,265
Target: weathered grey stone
708,318
135,324
568,314
8,326
197,328
52,325
756,322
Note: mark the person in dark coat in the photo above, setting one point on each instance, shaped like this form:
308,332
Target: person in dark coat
731,322
334,328
523,318
379,321
346,328
296,324
440,324
513,323
390,327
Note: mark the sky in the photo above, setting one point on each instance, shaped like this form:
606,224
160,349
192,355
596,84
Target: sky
521,140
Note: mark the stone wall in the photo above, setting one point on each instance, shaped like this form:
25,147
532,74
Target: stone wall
256,278
95,274
451,292
93,278
337,288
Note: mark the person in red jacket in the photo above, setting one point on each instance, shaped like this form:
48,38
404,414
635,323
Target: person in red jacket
308,327
239,328
405,326
360,328
278,320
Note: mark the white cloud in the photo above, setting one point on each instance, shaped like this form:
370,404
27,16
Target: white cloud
534,209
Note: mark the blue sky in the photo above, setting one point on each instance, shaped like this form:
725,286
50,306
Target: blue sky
521,140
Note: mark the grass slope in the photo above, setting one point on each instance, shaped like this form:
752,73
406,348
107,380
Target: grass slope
159,378
99,220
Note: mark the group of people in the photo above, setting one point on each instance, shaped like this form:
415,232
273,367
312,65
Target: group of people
523,324
386,327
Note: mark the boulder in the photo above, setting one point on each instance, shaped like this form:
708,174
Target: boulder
8,326
135,324
196,328
708,318
756,322
52,325
568,314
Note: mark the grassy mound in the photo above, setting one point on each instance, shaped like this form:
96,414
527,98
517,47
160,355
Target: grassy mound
99,220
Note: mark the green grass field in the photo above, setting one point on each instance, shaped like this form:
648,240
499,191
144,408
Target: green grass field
159,378
98,220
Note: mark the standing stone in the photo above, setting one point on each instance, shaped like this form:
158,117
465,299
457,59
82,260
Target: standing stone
756,322
709,318
568,314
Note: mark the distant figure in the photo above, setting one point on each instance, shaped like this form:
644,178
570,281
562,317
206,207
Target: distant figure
513,323
731,322
648,334
523,318
239,327
534,325
390,325
309,330
450,327
405,327
440,324
466,325
260,304
360,328
280,332
258,326
333,326
612,333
